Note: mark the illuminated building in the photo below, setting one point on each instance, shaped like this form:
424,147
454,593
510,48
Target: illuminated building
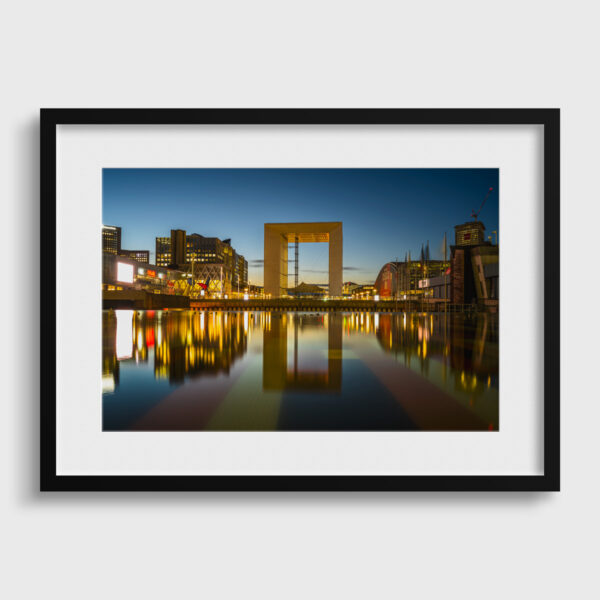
240,274
278,236
470,276
474,266
111,244
257,291
364,292
209,260
111,239
398,279
119,272
469,234
141,256
163,251
307,290
348,287
171,250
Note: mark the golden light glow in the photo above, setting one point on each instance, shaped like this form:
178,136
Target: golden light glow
124,336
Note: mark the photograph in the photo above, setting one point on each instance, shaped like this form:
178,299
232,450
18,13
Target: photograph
300,299
257,343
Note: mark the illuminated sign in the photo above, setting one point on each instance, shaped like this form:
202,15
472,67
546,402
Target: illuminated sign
124,272
151,273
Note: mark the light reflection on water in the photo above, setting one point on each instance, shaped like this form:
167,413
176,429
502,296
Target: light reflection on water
237,371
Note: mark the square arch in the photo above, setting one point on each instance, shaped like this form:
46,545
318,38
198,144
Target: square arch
277,238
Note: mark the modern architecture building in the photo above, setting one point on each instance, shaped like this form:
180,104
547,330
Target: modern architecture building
210,261
364,292
163,251
278,236
398,279
474,266
111,244
437,288
111,239
119,272
470,276
172,250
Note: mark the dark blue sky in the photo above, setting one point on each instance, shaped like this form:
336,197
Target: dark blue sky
385,212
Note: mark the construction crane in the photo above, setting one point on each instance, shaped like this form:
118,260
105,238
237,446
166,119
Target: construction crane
476,214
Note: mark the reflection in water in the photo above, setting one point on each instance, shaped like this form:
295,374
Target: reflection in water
279,373
466,347
184,370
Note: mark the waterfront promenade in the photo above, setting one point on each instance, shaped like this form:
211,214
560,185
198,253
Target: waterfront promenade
320,305
143,300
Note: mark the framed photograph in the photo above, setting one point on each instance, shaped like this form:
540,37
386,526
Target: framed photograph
300,299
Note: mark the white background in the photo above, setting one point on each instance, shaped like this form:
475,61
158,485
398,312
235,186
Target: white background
84,449
403,54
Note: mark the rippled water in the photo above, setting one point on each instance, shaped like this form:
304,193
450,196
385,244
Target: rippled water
242,371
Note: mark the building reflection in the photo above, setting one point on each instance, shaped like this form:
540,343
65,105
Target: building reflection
283,368
180,343
300,351
465,345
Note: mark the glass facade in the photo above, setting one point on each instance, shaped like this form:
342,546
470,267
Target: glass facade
111,239
397,279
163,251
201,251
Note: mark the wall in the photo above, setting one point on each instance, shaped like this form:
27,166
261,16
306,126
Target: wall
313,53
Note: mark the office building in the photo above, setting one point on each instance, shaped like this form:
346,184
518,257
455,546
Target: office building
211,261
111,239
398,279
111,244
163,251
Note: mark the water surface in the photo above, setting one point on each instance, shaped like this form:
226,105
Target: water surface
264,371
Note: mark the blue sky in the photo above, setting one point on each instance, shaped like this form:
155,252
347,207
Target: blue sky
385,212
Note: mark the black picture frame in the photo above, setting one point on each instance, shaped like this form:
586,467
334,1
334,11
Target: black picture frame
548,118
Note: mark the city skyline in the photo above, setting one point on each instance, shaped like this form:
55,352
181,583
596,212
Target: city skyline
386,212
